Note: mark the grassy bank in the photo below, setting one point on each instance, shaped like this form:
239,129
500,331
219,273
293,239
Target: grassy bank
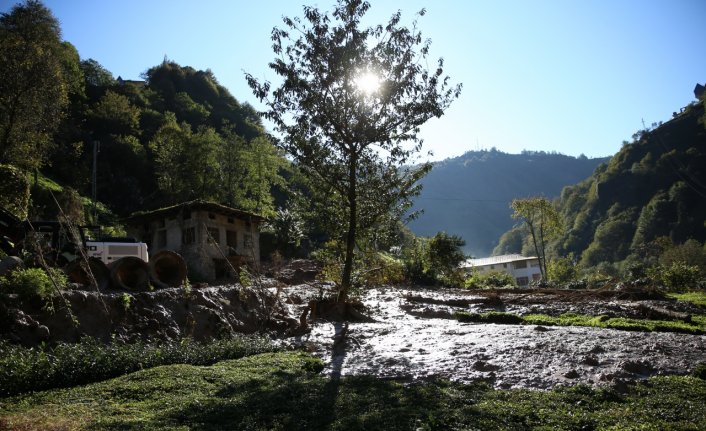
696,297
24,369
284,391
697,325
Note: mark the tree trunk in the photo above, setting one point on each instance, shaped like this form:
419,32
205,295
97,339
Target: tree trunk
352,224
536,248
543,258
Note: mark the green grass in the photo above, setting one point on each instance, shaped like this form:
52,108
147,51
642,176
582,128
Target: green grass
697,325
697,298
23,369
48,184
284,391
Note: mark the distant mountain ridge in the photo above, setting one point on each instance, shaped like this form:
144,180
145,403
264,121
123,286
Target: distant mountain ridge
470,195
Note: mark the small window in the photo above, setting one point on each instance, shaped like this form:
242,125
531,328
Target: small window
232,238
161,238
188,235
504,265
492,266
230,220
247,241
160,223
536,277
186,215
522,281
521,264
214,235
211,216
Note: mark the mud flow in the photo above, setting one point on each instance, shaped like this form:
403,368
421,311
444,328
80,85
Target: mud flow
415,336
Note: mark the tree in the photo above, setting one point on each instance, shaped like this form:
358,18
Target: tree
349,108
543,222
95,75
445,254
38,72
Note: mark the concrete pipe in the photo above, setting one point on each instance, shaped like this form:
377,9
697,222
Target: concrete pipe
10,264
130,273
167,269
77,272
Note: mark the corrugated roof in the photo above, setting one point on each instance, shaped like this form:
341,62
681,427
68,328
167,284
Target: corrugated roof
495,260
194,205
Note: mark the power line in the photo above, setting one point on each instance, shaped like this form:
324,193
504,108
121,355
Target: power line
465,200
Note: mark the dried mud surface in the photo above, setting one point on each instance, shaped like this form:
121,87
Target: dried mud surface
415,337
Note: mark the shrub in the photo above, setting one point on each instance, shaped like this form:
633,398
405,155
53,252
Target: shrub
372,268
491,279
25,369
14,191
33,282
700,371
562,270
380,269
676,277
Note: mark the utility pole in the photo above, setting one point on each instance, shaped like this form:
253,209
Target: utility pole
94,179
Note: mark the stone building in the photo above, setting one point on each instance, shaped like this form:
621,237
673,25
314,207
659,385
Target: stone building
213,239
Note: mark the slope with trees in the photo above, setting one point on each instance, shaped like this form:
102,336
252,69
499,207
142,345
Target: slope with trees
647,200
470,195
177,135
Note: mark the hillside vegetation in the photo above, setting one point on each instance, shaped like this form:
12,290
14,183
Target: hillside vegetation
650,195
470,195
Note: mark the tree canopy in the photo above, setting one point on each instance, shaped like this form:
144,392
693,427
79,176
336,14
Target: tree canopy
542,221
349,109
38,73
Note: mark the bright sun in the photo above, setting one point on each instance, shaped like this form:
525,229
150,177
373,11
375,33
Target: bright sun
368,83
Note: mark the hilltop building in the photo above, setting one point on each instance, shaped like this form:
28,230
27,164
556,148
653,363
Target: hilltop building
524,269
213,239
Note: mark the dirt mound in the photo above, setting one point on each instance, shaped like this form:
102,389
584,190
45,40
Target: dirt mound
163,314
295,272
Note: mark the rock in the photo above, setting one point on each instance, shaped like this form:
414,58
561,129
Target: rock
484,366
9,264
590,360
163,314
571,374
636,367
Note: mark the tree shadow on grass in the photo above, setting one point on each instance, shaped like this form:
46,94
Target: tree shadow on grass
289,399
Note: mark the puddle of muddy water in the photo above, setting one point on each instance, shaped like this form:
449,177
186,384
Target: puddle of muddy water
406,343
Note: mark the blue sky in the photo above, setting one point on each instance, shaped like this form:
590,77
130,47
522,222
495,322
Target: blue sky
576,77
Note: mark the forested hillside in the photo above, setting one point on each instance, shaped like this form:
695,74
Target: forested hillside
652,190
174,135
470,195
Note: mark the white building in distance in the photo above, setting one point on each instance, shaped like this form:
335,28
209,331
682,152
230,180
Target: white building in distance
524,269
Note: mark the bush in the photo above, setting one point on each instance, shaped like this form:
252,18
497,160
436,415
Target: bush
33,282
371,268
25,369
489,280
676,277
562,270
14,191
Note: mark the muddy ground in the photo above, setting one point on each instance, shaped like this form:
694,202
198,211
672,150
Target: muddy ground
414,336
